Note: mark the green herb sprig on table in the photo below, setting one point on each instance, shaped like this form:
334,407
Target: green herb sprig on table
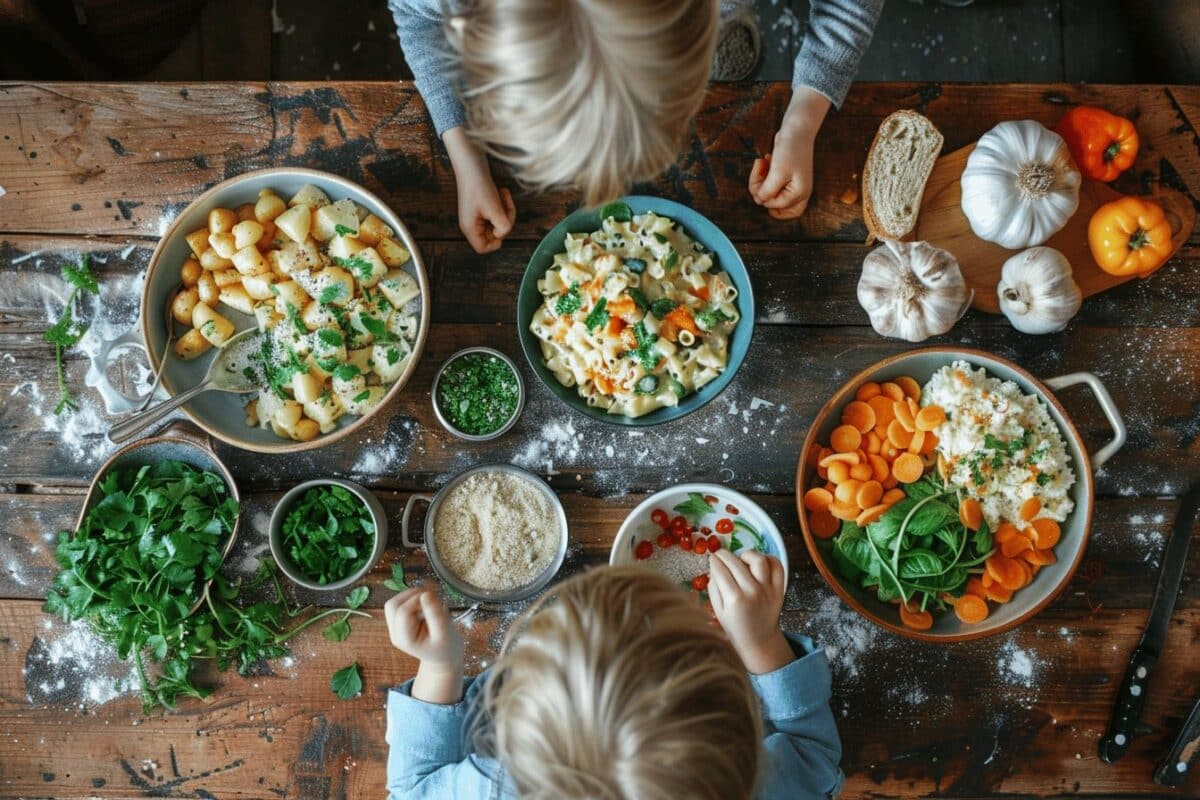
478,393
917,550
136,571
346,683
68,331
328,534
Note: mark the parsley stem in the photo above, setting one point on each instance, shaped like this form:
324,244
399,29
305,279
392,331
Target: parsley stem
283,637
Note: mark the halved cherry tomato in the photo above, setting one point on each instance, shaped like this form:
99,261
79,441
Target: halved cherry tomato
685,543
665,540
705,530
724,525
731,509
700,583
660,518
714,544
644,550
700,547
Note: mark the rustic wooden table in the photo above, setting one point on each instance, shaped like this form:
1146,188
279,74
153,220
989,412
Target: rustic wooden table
101,169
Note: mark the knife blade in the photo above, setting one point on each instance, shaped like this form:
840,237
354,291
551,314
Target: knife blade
1131,697
1173,769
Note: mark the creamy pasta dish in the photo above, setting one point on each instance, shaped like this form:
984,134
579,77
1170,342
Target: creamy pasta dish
635,315
325,283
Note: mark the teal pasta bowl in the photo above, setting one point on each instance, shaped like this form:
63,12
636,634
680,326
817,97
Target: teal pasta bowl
736,293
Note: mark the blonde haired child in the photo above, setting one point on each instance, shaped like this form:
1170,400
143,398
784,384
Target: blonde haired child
617,686
596,94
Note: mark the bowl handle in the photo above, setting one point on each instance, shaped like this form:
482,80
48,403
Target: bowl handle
408,509
1111,412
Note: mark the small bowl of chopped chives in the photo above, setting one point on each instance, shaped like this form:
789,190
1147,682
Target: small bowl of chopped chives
478,394
327,534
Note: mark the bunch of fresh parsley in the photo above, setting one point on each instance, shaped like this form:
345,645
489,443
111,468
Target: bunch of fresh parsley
68,331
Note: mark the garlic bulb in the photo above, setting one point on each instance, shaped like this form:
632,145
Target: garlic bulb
912,290
1020,185
1037,292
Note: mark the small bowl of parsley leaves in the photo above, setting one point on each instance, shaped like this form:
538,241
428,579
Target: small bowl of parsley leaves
478,394
327,534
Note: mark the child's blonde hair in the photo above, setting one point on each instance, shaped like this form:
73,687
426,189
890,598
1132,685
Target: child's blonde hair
617,686
588,94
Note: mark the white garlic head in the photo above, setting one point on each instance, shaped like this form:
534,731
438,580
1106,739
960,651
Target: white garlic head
912,290
1037,291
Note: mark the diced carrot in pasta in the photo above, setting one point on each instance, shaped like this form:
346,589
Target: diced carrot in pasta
615,326
621,306
702,292
682,319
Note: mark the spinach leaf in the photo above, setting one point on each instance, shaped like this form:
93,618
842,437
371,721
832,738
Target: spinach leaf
346,683
568,302
618,211
396,582
597,316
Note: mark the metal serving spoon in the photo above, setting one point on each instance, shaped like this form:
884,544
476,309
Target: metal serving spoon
225,374
162,364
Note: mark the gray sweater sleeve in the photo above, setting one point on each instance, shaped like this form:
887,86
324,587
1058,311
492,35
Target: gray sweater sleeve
419,25
838,34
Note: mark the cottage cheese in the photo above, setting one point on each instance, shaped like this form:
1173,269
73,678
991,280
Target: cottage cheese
1000,444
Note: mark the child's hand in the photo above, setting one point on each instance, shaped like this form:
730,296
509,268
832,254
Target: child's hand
747,595
485,213
781,181
419,625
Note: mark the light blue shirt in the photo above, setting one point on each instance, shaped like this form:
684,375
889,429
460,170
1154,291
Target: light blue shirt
430,756
838,34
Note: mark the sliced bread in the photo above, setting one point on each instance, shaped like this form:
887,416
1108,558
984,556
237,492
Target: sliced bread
898,164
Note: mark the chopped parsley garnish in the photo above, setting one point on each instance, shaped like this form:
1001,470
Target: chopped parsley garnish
330,338
376,328
293,315
639,297
67,332
361,396
208,328
646,353
331,294
328,364
346,372
393,355
477,393
661,239
710,318
1043,478
342,230
356,264
569,301
597,316
662,306
672,260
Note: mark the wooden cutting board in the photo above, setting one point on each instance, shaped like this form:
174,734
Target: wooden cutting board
943,223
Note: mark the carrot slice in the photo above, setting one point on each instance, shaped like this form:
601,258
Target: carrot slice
869,494
898,435
909,386
930,417
870,515
1005,531
891,482
891,390
1016,545
907,468
817,499
970,513
823,524
884,414
971,609
845,439
889,452
930,443
833,458
917,442
862,472
846,492
1026,570
1048,533
867,391
913,617
839,472
859,415
1006,572
844,511
1039,558
975,586
892,496
874,441
879,467
1030,508
904,416
998,593
986,579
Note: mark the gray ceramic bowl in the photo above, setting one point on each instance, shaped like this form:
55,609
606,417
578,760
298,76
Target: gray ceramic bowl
503,429
222,414
470,591
179,442
921,364
378,516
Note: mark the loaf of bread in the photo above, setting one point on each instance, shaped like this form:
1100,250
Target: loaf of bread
898,164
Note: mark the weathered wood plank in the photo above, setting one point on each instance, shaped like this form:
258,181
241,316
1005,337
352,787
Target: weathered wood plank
810,284
1151,372
1125,546
378,134
1016,714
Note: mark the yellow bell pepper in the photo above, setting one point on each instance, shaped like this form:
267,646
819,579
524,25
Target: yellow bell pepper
1130,236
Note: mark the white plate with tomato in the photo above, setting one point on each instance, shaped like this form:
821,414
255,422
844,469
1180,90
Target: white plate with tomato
675,529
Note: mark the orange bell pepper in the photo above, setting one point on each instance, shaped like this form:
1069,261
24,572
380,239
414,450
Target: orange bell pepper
1130,236
1102,144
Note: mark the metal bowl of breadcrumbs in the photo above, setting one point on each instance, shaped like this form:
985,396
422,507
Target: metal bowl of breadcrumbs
494,533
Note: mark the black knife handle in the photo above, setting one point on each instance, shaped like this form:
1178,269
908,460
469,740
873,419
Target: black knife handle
1131,698
1173,769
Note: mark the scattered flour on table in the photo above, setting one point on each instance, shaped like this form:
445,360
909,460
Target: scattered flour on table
390,452
69,665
